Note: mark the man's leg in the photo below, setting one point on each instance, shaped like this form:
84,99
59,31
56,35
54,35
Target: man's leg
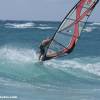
47,58
39,56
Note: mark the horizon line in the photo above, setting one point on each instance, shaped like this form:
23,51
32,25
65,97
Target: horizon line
37,20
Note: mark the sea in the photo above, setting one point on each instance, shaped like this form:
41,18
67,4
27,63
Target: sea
72,77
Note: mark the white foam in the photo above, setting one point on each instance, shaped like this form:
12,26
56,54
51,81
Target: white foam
18,55
89,29
95,24
27,25
44,28
19,25
88,64
43,25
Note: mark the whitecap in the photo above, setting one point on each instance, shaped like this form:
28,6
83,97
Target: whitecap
17,55
89,29
44,28
19,25
43,25
87,64
96,23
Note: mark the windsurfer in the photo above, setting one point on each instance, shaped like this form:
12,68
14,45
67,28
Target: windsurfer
42,47
68,33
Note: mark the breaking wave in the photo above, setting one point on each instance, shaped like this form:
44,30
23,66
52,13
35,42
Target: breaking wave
19,62
89,29
28,25
98,24
19,25
44,28
17,54
25,58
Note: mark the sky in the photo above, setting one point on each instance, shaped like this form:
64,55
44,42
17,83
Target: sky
49,10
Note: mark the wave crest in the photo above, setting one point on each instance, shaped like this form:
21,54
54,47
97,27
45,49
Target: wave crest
19,25
98,24
17,55
89,29
87,64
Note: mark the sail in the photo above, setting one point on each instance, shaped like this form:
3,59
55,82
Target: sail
65,38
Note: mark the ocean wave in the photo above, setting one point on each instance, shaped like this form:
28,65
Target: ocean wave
44,28
17,55
9,82
89,29
19,25
92,66
43,25
98,24
30,56
22,64
27,25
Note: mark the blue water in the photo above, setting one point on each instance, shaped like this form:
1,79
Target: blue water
74,77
